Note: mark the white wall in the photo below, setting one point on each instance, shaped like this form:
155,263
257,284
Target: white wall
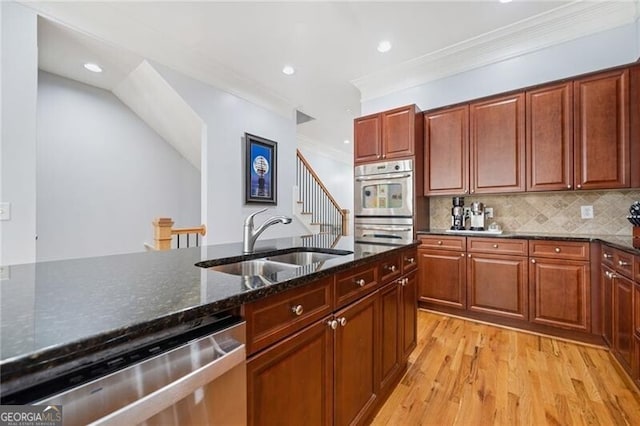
227,118
602,50
103,174
19,63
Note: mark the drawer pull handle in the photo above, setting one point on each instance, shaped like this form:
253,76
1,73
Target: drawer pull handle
391,268
557,249
333,324
361,282
495,246
610,275
439,243
607,255
623,263
410,259
298,310
342,321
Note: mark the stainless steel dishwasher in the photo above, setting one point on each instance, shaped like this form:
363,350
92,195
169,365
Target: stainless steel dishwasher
201,382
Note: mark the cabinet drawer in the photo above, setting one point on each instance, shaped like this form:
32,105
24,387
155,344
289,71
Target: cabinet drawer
409,260
278,316
390,268
497,245
353,284
623,263
607,255
443,242
569,250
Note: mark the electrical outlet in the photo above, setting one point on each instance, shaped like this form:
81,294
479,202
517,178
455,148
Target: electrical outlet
5,211
488,212
586,212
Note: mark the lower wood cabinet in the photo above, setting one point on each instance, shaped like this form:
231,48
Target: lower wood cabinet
442,278
409,314
560,295
606,282
497,285
291,383
623,333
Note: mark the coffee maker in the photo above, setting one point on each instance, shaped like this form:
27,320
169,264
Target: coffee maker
477,216
457,214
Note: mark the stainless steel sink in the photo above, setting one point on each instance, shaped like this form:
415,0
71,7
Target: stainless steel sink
303,257
254,267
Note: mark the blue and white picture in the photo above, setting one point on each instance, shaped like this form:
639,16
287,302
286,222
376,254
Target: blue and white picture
260,170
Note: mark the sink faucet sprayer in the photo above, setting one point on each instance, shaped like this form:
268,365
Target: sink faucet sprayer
250,235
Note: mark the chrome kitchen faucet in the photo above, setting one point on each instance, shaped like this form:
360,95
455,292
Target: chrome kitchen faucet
250,235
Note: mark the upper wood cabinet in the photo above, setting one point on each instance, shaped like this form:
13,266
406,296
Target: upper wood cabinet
601,128
497,135
387,135
549,138
446,151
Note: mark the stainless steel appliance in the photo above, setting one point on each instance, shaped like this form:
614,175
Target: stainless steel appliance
201,382
477,216
457,214
384,201
384,189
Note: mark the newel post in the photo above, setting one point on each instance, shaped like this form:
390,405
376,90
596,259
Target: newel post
345,222
162,232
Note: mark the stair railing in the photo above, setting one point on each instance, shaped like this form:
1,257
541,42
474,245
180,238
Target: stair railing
317,200
163,233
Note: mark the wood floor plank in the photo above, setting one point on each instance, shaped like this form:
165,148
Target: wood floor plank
465,373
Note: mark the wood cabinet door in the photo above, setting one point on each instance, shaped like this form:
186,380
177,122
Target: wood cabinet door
446,151
390,334
560,293
606,282
409,315
367,138
623,320
549,138
291,383
636,308
398,132
356,372
601,122
497,285
497,144
442,278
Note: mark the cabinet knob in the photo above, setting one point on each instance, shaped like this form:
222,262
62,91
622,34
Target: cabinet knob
557,249
439,243
473,190
495,246
578,186
469,255
607,255
298,310
391,268
342,321
462,254
410,259
533,261
361,282
568,186
623,263
333,324
610,275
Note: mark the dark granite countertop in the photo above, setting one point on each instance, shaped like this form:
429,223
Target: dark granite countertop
622,242
56,316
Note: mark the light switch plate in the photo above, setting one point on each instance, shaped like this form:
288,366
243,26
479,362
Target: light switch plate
586,212
488,212
5,211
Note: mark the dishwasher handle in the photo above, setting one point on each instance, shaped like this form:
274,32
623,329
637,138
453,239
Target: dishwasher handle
150,405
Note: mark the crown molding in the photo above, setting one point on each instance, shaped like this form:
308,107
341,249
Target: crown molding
565,23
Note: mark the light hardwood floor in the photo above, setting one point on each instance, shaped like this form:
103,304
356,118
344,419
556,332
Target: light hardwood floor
466,373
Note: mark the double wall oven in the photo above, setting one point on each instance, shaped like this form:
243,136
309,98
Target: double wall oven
384,205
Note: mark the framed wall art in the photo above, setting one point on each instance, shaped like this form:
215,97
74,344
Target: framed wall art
261,170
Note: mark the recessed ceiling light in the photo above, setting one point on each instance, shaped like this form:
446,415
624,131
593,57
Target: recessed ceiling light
93,67
347,141
384,46
505,1
288,70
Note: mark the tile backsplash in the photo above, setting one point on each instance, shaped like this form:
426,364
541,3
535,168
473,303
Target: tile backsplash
548,212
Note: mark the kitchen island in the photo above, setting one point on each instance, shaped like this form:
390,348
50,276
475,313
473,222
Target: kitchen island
58,316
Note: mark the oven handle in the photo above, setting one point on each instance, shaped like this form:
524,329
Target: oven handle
382,228
383,177
150,405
